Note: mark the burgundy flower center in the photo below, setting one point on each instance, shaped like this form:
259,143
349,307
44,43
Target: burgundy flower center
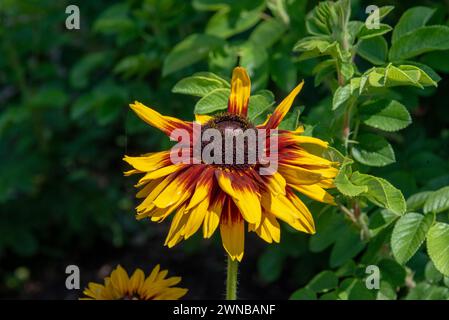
238,143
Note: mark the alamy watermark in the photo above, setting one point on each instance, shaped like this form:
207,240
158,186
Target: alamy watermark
373,20
73,20
229,146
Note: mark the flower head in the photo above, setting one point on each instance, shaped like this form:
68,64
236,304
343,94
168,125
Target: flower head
233,193
119,286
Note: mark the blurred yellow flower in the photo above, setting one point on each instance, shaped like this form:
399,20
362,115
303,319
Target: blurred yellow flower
119,286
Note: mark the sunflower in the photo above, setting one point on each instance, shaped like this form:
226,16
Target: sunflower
119,286
233,194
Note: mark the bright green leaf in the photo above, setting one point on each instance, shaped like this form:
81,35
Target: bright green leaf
438,246
408,234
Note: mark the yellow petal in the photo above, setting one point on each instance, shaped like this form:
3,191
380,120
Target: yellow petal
159,173
120,280
150,162
269,229
303,214
279,206
232,232
246,199
155,119
315,192
196,218
202,118
136,281
177,227
240,92
282,109
202,189
212,218
298,175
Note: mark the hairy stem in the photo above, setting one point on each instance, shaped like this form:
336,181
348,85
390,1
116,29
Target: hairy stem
231,280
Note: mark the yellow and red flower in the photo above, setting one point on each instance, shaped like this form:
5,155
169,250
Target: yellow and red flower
230,196
119,286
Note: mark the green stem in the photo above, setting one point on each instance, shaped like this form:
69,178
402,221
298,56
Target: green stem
231,281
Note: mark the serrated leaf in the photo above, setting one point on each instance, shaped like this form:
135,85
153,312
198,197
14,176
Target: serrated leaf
416,201
341,96
344,185
381,192
387,115
366,33
213,101
438,246
437,201
373,150
397,77
258,105
197,85
409,233
412,19
419,41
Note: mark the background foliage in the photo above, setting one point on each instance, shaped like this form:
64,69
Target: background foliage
378,96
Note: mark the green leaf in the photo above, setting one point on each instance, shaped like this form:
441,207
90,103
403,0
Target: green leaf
432,274
386,291
419,41
366,33
347,246
380,192
303,294
259,104
267,33
330,227
395,76
392,272
373,150
412,19
79,75
323,282
438,246
136,65
198,85
255,60
213,101
425,291
381,219
437,201
388,115
226,23
291,120
359,291
416,201
341,96
192,49
344,185
374,50
408,234
421,77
